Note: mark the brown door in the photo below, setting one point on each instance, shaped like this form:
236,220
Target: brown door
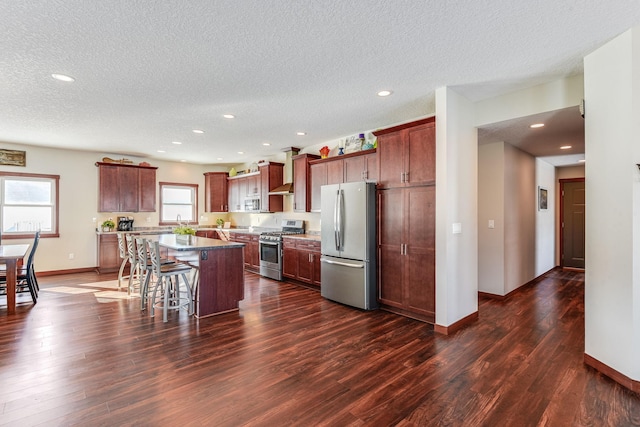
572,208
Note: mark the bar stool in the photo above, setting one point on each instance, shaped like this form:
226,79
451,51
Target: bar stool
124,257
134,273
146,270
170,296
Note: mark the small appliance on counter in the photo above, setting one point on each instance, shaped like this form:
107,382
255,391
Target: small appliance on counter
125,223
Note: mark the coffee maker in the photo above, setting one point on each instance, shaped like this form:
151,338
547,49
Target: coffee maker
125,223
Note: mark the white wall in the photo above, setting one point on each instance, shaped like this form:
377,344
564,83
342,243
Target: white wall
519,223
612,135
545,219
507,194
562,93
491,207
456,202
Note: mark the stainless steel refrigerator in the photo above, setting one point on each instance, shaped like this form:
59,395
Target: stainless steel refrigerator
348,229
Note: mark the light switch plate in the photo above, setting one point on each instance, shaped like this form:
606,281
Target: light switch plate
457,227
492,224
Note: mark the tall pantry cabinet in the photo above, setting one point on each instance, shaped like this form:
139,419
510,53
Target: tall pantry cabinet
406,219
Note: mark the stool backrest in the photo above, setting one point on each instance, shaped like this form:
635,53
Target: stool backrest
121,246
131,248
143,257
154,254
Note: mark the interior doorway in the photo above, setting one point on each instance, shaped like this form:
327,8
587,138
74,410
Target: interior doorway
572,223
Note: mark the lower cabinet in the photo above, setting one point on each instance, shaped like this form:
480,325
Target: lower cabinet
251,249
108,253
301,260
406,251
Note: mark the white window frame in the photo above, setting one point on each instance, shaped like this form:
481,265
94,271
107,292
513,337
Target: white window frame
194,202
54,180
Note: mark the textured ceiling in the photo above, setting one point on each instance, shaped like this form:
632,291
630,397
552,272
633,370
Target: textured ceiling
147,73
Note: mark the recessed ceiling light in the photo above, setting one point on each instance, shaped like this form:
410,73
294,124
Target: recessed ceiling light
176,142
565,147
161,151
536,125
63,78
240,152
384,93
301,133
266,144
197,131
228,116
219,158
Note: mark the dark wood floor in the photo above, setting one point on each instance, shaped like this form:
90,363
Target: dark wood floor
289,357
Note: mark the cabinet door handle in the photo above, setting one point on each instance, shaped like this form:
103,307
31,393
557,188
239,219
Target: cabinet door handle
401,176
406,177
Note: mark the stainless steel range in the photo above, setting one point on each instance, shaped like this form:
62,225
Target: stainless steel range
271,247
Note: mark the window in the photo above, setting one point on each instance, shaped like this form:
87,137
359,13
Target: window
178,199
28,203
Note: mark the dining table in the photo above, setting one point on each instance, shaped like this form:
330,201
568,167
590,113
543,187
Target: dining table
9,255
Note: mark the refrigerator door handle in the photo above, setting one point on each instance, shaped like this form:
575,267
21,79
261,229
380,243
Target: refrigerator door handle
338,223
341,263
336,220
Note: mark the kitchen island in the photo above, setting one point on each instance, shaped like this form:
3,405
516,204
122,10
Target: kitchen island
221,271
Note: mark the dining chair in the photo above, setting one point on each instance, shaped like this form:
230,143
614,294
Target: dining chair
26,277
170,297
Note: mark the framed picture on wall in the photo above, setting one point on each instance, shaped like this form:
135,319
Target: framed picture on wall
542,199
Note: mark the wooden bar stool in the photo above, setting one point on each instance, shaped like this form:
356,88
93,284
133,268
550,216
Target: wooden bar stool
171,298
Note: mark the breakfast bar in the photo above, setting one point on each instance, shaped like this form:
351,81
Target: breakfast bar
221,271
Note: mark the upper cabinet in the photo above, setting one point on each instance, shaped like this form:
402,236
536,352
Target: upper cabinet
126,188
250,192
359,166
302,182
407,154
271,176
215,192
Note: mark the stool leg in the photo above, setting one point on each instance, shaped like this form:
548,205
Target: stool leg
189,293
144,290
153,297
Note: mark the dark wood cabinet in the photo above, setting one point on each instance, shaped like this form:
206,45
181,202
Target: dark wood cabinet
318,178
301,260
251,249
406,250
406,155
361,168
336,170
126,188
243,191
302,182
271,176
233,188
216,197
108,253
406,219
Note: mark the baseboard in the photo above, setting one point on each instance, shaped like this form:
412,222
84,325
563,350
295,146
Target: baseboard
519,288
71,271
454,327
618,377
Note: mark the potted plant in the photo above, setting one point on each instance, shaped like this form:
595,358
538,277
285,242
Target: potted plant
108,225
183,233
220,222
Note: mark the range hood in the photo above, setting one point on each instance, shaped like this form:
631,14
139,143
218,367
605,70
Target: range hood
284,189
287,187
